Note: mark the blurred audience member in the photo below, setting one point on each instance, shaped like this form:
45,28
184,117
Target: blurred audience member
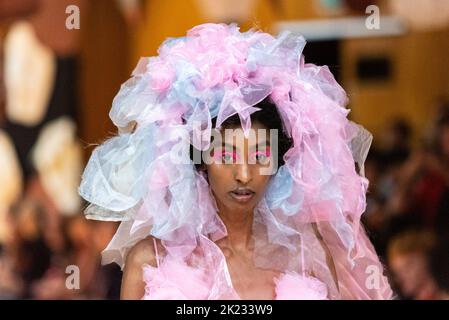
396,142
439,266
408,261
11,285
424,180
383,170
31,255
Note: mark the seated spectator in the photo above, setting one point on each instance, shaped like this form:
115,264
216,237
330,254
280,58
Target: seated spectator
408,260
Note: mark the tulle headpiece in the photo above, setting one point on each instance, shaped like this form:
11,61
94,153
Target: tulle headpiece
312,204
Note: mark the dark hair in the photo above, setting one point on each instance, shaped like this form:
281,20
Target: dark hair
440,122
269,117
439,263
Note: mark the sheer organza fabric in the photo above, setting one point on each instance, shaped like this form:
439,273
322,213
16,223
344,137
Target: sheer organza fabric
312,206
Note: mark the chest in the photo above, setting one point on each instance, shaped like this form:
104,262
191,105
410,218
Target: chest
250,282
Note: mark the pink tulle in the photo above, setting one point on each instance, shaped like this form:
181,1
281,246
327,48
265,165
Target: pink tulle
174,280
313,204
177,281
292,286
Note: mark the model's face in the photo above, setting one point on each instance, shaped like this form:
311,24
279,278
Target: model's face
239,172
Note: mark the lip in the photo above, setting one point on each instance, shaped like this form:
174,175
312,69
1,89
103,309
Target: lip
242,195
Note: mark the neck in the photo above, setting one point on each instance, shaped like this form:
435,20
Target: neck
239,225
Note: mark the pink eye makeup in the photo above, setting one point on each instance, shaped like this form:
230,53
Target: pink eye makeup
228,157
260,155
225,156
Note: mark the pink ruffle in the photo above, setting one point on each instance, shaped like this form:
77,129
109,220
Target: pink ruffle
292,286
174,281
218,71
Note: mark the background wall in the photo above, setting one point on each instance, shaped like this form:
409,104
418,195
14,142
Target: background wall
419,64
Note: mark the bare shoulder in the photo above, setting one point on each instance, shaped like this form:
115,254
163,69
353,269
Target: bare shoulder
143,252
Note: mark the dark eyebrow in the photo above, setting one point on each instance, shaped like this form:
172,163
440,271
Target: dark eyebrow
262,144
256,146
228,145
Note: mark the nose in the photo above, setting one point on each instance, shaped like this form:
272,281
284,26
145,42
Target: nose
243,173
